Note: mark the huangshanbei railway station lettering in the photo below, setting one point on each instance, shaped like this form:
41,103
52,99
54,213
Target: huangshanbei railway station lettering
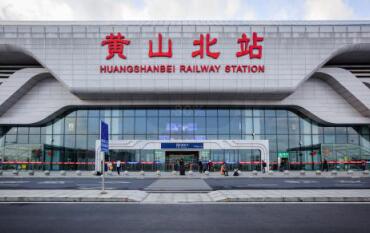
249,46
182,68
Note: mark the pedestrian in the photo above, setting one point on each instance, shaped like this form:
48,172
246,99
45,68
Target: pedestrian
182,167
364,165
222,169
200,166
176,166
209,165
110,166
325,165
118,166
263,166
226,170
236,172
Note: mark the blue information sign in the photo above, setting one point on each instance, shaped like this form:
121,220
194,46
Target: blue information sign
172,145
104,137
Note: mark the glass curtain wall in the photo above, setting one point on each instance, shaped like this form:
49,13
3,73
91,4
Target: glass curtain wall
68,142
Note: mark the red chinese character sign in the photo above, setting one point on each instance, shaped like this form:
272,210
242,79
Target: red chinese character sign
204,46
115,45
208,44
245,48
160,52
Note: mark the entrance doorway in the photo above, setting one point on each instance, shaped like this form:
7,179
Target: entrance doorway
173,157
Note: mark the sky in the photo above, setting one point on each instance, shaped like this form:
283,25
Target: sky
184,9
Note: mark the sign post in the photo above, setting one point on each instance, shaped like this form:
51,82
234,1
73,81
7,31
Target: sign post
104,148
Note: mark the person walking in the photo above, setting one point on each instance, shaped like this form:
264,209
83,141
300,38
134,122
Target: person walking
263,166
325,165
118,166
226,170
209,165
200,166
182,167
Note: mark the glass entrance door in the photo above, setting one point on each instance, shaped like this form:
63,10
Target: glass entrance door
173,159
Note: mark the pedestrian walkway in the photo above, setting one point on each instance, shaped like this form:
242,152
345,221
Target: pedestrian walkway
183,185
211,197
136,174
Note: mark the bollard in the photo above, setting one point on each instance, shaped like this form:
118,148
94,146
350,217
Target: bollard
125,173
190,173
47,173
318,172
174,173
31,173
271,173
334,173
16,172
366,172
78,172
142,173
158,172
254,172
206,173
350,172
63,173
302,173
286,172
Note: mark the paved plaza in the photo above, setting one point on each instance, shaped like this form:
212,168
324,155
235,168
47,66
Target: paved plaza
185,197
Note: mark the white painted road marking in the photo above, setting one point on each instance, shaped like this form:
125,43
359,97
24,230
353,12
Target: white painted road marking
51,182
14,182
301,181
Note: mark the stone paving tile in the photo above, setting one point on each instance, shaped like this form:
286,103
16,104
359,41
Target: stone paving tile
214,196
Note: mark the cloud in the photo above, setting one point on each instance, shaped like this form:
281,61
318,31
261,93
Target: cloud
327,10
34,9
124,10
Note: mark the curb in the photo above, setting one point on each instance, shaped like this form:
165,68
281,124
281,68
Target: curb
66,199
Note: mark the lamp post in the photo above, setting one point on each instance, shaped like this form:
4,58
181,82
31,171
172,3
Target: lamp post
300,155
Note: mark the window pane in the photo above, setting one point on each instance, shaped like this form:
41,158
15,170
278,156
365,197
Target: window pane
128,125
282,142
140,112
270,125
140,125
22,130
235,125
305,126
93,125
282,125
247,125
81,141
164,125
22,139
116,126
200,125
70,141
81,126
35,130
91,141
211,125
294,125
152,125
224,125
70,126
176,125
58,127
128,113
188,125
82,113
259,125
